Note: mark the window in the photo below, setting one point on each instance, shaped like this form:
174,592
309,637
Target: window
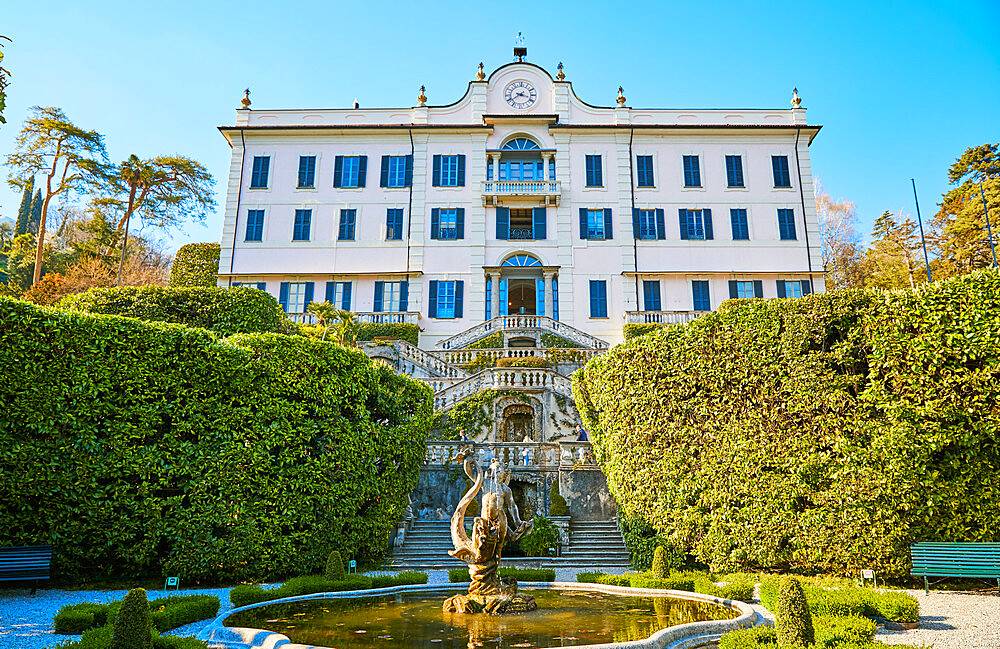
527,170
520,144
347,219
786,225
260,286
651,295
555,299
594,176
696,224
743,290
448,223
595,224
295,296
552,168
258,177
391,296
644,170
692,171
734,171
445,299
741,230
449,171
648,224
300,231
699,290
339,294
255,225
397,171
598,298
394,224
793,288
307,171
349,172
779,164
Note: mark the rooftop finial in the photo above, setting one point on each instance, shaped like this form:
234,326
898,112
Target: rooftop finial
520,51
621,97
560,75
480,74
421,97
796,100
246,99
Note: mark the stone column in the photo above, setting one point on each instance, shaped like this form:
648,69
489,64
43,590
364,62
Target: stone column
548,275
495,294
546,156
496,165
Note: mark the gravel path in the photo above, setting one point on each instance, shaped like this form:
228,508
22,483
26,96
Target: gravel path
951,620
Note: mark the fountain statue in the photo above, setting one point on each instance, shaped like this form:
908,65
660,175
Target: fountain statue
498,523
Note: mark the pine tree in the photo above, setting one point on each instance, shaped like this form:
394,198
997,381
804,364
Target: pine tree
35,219
24,212
893,258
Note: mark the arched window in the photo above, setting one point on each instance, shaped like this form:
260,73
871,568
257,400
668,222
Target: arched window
520,144
522,260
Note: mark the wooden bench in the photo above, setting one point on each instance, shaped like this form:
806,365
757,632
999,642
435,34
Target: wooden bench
976,560
26,563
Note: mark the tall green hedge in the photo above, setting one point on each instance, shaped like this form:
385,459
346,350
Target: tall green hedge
223,310
139,448
820,434
196,264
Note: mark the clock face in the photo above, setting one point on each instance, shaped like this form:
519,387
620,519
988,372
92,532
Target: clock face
520,94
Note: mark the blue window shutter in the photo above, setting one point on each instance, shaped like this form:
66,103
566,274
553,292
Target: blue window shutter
806,288
598,171
404,295
540,297
345,297
635,222
362,170
781,288
309,293
733,290
608,225
461,171
460,223
432,300
707,216
503,223
583,222
758,288
436,180
593,298
538,223
262,286
379,291
459,287
435,222
682,218
338,171
283,297
661,228
384,176
489,298
408,171
330,288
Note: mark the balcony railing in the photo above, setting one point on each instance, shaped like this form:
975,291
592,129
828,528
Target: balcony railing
494,191
517,455
661,317
367,317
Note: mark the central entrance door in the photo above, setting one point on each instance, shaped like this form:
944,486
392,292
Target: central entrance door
521,297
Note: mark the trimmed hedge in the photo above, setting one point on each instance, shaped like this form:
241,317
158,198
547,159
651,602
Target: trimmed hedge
153,448
133,627
737,588
792,618
838,632
556,341
557,504
895,606
246,594
196,264
636,330
389,331
821,434
460,575
167,613
522,361
222,310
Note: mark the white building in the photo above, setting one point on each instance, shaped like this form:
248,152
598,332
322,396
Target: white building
521,198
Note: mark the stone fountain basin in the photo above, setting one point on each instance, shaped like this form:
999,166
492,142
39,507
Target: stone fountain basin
681,636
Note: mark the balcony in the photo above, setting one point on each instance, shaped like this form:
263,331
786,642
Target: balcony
367,317
500,192
661,317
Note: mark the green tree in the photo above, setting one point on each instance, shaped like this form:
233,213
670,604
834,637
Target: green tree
35,219
342,322
893,259
24,211
4,81
960,234
71,159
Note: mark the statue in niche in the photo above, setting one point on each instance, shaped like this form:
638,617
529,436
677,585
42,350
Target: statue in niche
498,523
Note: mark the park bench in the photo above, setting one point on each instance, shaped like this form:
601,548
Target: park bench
976,560
26,563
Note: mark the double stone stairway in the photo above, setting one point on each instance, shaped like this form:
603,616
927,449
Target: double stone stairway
592,545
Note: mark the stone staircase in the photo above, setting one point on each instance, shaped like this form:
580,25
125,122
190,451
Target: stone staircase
592,545
514,324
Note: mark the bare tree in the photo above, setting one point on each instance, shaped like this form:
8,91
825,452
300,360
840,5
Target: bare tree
843,253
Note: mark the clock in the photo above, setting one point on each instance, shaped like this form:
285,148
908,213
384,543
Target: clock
520,94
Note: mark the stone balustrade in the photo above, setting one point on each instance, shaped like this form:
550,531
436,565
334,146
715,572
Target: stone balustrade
522,323
553,354
523,455
449,391
661,317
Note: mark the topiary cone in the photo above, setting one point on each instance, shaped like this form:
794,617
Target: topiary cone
792,617
134,626
660,568
335,567
557,504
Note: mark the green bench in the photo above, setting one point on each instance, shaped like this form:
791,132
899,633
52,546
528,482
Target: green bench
977,560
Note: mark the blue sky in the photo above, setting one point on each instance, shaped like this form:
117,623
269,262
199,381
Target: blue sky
901,89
